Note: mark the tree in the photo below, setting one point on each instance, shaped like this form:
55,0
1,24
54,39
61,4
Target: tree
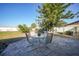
23,28
33,25
51,15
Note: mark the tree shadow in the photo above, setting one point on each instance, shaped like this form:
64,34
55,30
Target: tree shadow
5,42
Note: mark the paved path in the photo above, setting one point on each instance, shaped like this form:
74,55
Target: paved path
59,46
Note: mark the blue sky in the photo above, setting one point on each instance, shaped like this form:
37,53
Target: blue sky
74,8
15,14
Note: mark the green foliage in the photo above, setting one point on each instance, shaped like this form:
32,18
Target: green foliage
69,33
52,13
60,32
23,28
39,34
33,25
40,31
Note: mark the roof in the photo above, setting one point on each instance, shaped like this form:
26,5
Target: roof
76,22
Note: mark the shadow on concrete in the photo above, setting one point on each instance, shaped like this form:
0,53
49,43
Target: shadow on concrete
5,42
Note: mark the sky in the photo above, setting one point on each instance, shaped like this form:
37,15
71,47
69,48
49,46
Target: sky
74,8
24,13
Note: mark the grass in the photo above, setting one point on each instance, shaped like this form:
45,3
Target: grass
9,37
4,35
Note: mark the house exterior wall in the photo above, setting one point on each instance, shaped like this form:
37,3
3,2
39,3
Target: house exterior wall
66,28
63,29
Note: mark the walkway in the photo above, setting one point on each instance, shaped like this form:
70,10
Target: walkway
59,46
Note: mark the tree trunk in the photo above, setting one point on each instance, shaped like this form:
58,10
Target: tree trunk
27,37
52,33
76,32
63,30
49,38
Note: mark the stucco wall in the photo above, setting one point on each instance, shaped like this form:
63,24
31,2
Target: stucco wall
66,28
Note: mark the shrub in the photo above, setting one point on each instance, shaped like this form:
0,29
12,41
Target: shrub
39,34
60,32
40,31
69,33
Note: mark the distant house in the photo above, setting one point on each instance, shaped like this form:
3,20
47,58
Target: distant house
74,27
68,27
8,29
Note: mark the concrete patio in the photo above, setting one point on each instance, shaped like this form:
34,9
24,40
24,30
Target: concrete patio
60,46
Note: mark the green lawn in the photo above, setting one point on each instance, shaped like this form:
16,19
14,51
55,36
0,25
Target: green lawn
4,35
